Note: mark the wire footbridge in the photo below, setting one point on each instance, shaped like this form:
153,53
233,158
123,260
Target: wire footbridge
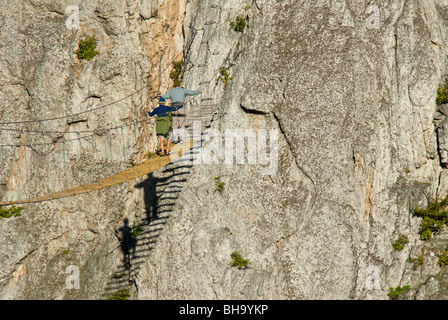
78,146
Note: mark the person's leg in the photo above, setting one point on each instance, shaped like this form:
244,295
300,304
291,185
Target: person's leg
181,129
162,149
181,124
175,128
168,146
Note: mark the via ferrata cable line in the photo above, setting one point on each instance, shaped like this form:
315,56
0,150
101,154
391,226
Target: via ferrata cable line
134,172
100,107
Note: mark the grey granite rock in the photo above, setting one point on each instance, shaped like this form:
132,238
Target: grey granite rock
349,89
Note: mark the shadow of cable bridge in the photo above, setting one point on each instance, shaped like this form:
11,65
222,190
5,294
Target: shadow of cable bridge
160,192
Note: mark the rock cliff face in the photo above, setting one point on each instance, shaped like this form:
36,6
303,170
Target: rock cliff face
348,88
42,78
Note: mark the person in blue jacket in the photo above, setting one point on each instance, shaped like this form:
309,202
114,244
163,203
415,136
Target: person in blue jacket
163,129
177,96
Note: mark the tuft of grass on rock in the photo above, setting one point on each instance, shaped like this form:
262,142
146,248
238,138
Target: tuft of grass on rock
401,241
177,72
239,23
434,218
219,185
416,262
225,76
442,94
122,294
137,230
87,48
10,212
395,293
443,258
238,261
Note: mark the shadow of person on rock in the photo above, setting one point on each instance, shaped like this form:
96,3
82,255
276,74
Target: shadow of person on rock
128,243
153,189
151,196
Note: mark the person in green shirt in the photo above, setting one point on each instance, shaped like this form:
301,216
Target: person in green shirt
163,129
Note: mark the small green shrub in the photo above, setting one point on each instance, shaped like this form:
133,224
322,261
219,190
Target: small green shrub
177,72
239,23
395,293
219,185
137,231
122,294
443,258
417,262
225,76
238,261
66,251
434,218
11,212
228,230
401,241
442,94
87,48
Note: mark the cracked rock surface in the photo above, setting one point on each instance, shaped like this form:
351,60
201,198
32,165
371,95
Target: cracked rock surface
361,143
354,108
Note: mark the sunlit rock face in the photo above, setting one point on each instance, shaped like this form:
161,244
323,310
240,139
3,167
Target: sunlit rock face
345,92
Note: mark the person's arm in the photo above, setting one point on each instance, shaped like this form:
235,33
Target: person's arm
188,92
153,112
167,95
